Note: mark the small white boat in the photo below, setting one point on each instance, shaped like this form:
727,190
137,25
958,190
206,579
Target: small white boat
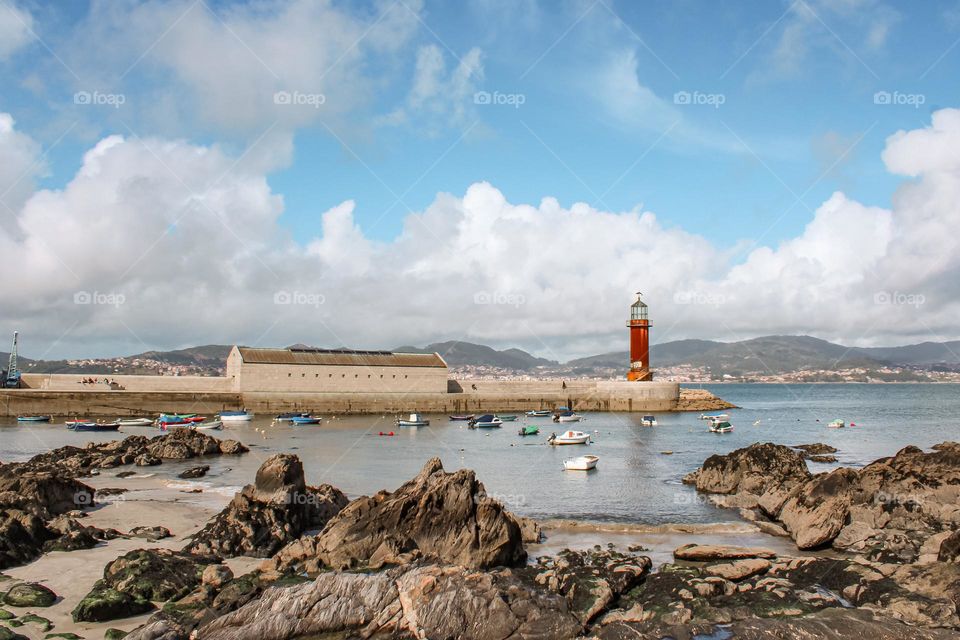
567,416
415,420
583,463
837,424
487,421
721,426
713,416
569,437
236,416
135,422
648,421
539,413
212,425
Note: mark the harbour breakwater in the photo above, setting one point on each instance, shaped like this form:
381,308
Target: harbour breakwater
130,395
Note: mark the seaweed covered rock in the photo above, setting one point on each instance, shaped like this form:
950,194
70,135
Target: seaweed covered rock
270,513
29,594
692,596
591,581
133,581
437,516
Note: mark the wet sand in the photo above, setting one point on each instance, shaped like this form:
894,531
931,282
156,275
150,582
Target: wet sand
657,541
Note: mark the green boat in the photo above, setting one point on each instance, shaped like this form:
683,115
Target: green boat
507,418
529,430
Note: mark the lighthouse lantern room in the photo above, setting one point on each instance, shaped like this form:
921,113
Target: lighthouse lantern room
639,324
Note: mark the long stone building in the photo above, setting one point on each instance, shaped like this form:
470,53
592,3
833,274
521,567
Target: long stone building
334,371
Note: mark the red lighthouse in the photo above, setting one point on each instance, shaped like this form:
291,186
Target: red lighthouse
639,325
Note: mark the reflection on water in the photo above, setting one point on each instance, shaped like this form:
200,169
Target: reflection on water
633,482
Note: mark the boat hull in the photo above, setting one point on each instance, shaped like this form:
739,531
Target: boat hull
570,437
583,463
33,419
137,422
236,417
86,426
408,423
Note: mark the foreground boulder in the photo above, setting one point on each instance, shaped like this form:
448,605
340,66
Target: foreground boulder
43,493
270,513
763,473
437,516
29,594
132,582
557,598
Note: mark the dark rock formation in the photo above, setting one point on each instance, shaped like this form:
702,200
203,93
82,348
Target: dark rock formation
73,535
42,493
152,534
828,624
899,509
133,581
817,448
179,444
194,472
270,513
764,474
437,516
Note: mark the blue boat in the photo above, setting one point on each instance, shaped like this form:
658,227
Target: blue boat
94,426
33,418
305,420
288,417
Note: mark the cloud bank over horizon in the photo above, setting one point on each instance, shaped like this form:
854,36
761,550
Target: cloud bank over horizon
164,243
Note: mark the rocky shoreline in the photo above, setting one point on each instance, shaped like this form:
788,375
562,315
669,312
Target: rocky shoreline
439,558
701,400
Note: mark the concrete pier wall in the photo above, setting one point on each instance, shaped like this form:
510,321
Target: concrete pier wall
176,384
464,396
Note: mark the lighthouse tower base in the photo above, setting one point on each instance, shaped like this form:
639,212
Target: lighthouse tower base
640,375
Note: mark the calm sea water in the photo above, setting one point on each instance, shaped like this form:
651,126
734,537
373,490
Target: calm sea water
634,482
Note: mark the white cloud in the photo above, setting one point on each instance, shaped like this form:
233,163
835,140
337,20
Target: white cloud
227,65
438,99
190,239
827,25
21,164
16,29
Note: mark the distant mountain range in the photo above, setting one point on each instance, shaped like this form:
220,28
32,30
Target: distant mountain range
783,354
766,355
465,353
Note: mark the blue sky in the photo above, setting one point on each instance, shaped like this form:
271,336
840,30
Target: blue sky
778,124
731,121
